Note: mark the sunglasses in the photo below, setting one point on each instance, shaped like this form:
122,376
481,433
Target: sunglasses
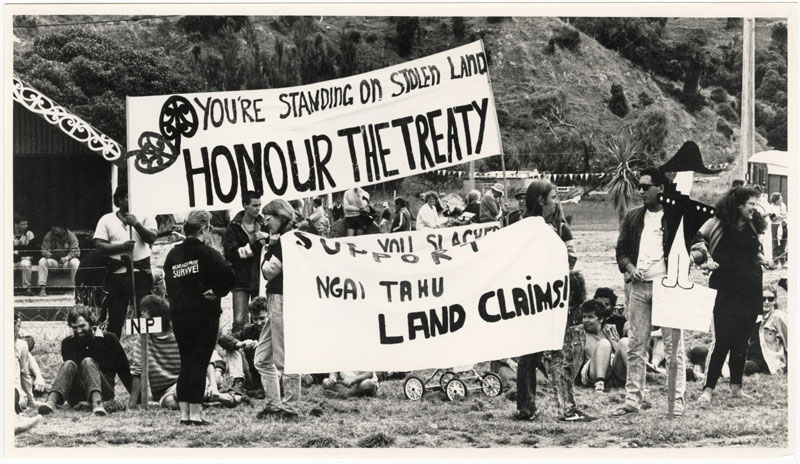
768,299
645,187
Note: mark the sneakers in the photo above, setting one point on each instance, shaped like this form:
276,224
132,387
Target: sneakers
99,411
524,416
576,415
600,386
46,408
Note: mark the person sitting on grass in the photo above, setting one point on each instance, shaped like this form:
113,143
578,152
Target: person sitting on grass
30,375
616,316
92,360
240,348
351,384
599,360
164,363
767,351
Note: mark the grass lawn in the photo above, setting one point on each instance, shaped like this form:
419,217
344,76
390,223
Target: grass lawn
390,420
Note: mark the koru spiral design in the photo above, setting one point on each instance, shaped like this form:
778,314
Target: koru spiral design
156,151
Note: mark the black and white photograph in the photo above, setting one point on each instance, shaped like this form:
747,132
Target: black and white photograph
400,230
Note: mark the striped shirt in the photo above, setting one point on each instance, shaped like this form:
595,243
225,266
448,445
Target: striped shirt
164,361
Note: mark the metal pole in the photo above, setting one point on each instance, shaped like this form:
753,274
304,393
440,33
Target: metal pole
500,139
748,94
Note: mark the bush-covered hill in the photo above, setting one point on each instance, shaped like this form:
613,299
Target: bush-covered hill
562,97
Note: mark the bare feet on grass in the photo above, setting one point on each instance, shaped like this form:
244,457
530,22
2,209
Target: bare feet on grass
705,398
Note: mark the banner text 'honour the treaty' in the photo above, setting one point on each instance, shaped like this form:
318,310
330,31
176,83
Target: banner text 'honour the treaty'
298,142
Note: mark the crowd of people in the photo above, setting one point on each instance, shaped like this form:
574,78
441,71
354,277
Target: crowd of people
606,344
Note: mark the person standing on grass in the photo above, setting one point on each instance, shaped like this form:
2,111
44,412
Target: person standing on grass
92,360
641,254
402,217
269,355
541,200
112,237
356,205
196,276
729,246
242,243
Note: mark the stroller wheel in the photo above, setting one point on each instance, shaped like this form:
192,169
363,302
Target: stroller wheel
446,377
491,385
413,388
455,389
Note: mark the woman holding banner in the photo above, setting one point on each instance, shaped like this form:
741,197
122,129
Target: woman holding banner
269,355
729,245
541,200
196,276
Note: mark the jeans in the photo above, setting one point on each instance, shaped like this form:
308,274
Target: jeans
77,383
119,297
241,366
241,300
46,263
640,313
269,359
731,334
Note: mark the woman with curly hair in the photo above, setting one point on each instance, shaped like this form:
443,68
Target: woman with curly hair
728,243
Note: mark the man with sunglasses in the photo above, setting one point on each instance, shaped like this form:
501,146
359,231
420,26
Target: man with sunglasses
767,350
641,252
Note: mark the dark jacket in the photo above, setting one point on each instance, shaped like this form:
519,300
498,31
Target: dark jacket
192,268
106,351
235,237
248,332
630,234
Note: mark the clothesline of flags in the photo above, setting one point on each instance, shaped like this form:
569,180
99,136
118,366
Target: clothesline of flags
535,174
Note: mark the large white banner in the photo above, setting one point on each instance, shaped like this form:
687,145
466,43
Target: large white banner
202,150
348,307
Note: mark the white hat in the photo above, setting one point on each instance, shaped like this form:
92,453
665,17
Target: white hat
498,187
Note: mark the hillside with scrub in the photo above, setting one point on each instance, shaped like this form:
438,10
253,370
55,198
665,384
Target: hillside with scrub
572,94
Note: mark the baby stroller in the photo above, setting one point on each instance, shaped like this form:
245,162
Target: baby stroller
455,383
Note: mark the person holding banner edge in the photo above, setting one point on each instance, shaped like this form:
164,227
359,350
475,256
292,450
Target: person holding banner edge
269,355
112,237
242,243
729,245
196,276
641,252
541,200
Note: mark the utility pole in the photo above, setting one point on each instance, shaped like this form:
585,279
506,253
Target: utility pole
748,93
471,183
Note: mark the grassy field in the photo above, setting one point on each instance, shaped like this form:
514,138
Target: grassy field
390,420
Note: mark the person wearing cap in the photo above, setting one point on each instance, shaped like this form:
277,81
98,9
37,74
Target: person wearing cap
490,209
121,236
60,249
427,217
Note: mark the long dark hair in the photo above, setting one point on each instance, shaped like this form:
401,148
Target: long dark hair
728,208
541,189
